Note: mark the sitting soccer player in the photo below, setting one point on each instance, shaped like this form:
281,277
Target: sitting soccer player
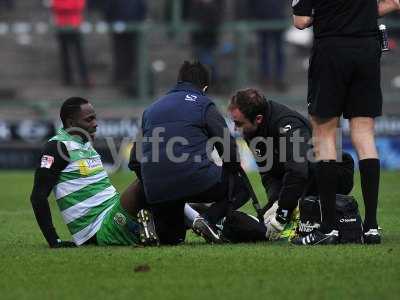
90,205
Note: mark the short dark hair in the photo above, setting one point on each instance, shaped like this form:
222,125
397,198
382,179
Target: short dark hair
250,102
195,73
70,107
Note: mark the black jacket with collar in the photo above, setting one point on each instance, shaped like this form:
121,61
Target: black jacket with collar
282,152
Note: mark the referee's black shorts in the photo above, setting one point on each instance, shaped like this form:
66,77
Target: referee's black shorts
344,78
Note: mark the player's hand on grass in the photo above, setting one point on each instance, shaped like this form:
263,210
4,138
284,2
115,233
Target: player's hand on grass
63,244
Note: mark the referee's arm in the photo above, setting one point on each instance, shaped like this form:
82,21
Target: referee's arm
302,13
46,176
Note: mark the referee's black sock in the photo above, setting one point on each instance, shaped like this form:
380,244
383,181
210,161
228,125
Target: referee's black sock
370,173
327,182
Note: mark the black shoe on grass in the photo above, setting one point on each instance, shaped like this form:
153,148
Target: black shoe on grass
204,229
318,238
148,235
372,236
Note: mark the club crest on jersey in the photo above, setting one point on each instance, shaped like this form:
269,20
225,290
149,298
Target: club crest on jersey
120,219
46,161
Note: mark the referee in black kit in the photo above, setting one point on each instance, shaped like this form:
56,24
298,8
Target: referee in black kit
344,79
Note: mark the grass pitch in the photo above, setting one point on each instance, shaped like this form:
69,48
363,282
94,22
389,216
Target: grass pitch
30,270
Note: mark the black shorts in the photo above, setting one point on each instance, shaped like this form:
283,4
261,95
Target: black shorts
344,78
169,217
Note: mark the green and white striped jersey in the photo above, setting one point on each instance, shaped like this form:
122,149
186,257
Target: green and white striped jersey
83,192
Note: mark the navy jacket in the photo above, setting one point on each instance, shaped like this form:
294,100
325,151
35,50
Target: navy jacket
181,113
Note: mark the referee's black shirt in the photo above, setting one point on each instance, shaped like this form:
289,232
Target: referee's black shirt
340,18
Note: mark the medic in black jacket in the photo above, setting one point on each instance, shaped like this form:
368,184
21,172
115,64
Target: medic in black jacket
280,139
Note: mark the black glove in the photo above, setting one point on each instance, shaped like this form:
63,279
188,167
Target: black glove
63,244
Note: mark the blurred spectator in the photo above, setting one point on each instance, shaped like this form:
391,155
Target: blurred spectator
241,9
94,5
270,41
169,7
68,16
208,15
125,43
7,4
183,13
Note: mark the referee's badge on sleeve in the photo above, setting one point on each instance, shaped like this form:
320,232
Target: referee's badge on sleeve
46,161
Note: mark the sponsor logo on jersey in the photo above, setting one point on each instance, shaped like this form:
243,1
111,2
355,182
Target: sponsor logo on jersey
46,161
90,165
191,98
94,163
